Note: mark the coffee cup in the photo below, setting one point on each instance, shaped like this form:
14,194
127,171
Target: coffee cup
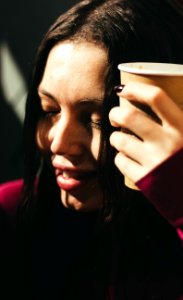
167,76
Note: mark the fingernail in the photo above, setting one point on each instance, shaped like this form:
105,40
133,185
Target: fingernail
119,88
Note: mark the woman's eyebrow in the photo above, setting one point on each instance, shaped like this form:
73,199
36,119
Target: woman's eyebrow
82,101
89,101
89,104
43,92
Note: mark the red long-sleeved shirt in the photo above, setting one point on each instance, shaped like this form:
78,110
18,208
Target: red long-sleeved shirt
163,187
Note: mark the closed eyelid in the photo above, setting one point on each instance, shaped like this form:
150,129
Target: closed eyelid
47,101
46,104
85,103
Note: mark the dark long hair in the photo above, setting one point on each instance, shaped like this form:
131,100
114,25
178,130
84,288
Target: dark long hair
129,30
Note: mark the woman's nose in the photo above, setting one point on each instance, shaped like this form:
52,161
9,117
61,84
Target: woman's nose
66,138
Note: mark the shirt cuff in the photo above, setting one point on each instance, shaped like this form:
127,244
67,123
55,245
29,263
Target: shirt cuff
163,187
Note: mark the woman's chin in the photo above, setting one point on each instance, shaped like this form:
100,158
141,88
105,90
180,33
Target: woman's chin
82,204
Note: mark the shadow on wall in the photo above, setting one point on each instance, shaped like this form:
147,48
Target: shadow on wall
24,24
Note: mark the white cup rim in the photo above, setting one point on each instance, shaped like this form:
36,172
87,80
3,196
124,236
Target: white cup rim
152,68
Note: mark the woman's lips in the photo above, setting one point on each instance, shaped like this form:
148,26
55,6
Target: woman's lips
71,180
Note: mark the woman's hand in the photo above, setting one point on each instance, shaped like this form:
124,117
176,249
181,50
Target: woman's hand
156,140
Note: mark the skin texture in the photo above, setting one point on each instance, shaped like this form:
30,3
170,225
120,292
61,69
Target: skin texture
157,140
71,94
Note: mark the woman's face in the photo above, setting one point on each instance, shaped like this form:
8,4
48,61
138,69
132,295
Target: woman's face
71,94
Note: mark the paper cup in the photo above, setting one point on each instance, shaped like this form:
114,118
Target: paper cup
169,77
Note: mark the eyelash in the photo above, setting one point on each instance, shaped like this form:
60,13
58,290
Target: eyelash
49,113
85,118
96,124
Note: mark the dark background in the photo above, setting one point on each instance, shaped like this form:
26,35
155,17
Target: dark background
23,24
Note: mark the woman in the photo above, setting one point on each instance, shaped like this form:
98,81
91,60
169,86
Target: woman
81,233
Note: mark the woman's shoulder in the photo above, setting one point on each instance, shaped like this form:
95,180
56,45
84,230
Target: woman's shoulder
10,193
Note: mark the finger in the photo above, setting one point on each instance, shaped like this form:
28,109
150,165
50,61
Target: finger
128,144
162,105
128,167
135,120
115,112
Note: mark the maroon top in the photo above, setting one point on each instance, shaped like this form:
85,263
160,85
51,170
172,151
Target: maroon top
163,187
10,196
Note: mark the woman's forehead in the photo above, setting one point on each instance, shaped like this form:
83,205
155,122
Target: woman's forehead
75,71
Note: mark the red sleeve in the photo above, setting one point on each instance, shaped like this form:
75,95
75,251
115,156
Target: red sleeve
163,187
10,196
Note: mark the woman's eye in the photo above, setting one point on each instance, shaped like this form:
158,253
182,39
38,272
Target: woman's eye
96,123
49,112
91,120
